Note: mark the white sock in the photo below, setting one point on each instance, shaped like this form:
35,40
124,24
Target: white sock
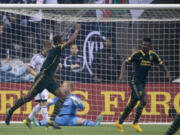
35,111
44,111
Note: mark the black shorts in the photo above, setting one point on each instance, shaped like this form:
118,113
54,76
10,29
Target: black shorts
44,81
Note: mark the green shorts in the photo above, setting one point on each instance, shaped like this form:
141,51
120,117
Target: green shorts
44,81
137,89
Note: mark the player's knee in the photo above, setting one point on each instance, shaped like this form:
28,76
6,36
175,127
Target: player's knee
60,94
132,103
88,123
27,99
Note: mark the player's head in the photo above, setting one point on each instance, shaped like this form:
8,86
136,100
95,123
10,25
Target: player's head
46,47
67,87
146,44
74,49
108,43
58,40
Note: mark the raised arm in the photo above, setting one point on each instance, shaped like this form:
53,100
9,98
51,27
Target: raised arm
166,72
73,37
123,67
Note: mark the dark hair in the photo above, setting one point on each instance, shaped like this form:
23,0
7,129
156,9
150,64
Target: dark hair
57,39
147,40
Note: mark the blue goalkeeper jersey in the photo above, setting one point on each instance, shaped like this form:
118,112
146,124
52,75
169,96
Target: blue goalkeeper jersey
70,107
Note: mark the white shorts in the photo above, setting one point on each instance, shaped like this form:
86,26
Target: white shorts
43,96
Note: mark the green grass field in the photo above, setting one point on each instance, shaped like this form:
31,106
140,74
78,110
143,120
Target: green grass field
20,129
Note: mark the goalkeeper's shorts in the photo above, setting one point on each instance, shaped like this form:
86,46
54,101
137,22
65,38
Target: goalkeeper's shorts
66,120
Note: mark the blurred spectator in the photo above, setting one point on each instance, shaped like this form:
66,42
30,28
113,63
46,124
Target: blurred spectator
5,1
12,34
8,75
73,65
106,64
35,26
5,43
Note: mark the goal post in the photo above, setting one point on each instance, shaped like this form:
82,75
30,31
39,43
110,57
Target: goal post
109,34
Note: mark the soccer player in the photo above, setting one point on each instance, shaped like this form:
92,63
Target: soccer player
67,115
34,68
45,79
142,60
174,126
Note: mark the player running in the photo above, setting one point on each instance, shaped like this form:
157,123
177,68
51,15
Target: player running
45,79
42,98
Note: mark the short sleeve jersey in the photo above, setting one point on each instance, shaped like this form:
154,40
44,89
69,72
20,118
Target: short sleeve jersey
142,64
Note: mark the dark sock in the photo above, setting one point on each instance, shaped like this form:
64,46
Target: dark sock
57,109
175,126
126,112
138,113
19,103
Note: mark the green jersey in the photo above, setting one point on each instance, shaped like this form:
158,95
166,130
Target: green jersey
52,60
142,64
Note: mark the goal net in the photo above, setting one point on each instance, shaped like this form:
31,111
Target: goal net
108,35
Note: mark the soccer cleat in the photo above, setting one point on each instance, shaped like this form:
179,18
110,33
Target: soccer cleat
137,127
52,124
27,122
119,126
8,117
35,122
99,119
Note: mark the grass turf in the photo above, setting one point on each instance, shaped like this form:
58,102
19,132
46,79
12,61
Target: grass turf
20,129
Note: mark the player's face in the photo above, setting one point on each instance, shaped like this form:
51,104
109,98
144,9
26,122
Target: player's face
146,46
66,88
108,43
74,49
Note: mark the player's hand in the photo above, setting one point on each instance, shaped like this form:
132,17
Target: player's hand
78,27
75,66
74,99
60,65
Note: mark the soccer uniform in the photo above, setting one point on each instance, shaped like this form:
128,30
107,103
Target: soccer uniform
67,115
36,63
45,78
142,64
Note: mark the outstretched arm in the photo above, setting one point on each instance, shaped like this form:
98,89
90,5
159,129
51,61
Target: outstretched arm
123,67
73,37
166,71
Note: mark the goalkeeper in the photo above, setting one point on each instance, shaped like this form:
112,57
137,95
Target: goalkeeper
67,115
45,79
